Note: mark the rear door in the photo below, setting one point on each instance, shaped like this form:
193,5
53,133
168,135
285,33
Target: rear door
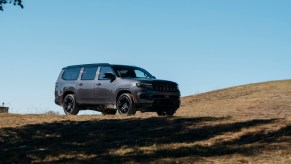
86,86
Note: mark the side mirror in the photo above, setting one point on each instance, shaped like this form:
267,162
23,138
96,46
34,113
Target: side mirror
109,76
154,77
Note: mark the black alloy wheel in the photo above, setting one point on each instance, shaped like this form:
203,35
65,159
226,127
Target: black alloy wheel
125,105
70,107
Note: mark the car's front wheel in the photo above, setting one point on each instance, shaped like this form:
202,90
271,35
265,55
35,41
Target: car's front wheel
70,106
167,113
125,105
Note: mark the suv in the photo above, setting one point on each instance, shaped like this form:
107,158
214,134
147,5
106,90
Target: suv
110,88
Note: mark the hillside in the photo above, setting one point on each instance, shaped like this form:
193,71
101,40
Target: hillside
244,124
260,100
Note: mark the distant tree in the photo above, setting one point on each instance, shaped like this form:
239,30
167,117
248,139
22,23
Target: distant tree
52,113
14,2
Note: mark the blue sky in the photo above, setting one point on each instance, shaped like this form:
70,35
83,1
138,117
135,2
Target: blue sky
201,44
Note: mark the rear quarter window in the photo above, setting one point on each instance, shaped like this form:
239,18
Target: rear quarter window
71,74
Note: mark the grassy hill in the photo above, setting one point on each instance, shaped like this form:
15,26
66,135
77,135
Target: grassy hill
260,100
244,124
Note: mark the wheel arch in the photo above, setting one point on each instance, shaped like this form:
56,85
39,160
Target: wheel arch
66,93
120,92
132,109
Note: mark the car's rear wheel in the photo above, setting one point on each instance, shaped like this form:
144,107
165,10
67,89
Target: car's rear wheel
70,106
125,105
109,112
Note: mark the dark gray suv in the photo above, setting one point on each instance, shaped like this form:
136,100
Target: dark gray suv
110,88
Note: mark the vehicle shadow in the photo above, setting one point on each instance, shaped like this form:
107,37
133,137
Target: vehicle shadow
94,140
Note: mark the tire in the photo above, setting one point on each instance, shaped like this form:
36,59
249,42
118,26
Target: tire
169,113
109,112
161,114
125,105
70,106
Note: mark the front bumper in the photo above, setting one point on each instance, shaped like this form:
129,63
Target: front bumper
153,101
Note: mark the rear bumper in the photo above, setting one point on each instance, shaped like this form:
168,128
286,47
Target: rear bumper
58,102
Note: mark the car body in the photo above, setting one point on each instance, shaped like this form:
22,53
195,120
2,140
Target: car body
109,88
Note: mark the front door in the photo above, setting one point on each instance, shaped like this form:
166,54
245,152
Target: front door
105,87
86,86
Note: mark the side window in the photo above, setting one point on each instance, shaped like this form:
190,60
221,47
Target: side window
89,73
123,73
103,71
140,74
71,74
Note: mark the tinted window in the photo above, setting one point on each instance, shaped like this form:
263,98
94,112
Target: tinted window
71,74
140,74
89,73
103,71
131,72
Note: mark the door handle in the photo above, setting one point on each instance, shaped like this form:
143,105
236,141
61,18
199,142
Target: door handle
81,84
98,84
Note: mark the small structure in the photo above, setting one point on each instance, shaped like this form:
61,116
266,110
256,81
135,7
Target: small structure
3,109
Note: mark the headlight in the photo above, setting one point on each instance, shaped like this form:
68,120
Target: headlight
144,85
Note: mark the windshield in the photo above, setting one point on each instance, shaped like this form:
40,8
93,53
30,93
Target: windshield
131,72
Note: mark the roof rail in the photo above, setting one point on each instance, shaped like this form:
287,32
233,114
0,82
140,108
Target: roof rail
87,65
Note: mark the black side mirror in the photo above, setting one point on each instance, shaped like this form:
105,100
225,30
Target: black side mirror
109,76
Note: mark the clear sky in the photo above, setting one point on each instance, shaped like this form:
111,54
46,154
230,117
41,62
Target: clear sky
201,44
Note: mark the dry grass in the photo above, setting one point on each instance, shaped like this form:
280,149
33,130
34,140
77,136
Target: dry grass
261,100
246,124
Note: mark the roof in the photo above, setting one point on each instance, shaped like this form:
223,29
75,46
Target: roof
87,65
119,65
94,65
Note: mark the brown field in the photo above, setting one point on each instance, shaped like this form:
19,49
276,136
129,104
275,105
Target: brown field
245,124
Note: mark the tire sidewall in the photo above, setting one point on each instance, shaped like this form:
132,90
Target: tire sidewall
132,109
75,109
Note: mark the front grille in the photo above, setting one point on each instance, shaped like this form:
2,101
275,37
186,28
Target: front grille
159,96
165,87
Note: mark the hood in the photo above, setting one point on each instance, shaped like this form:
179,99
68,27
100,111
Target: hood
153,81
